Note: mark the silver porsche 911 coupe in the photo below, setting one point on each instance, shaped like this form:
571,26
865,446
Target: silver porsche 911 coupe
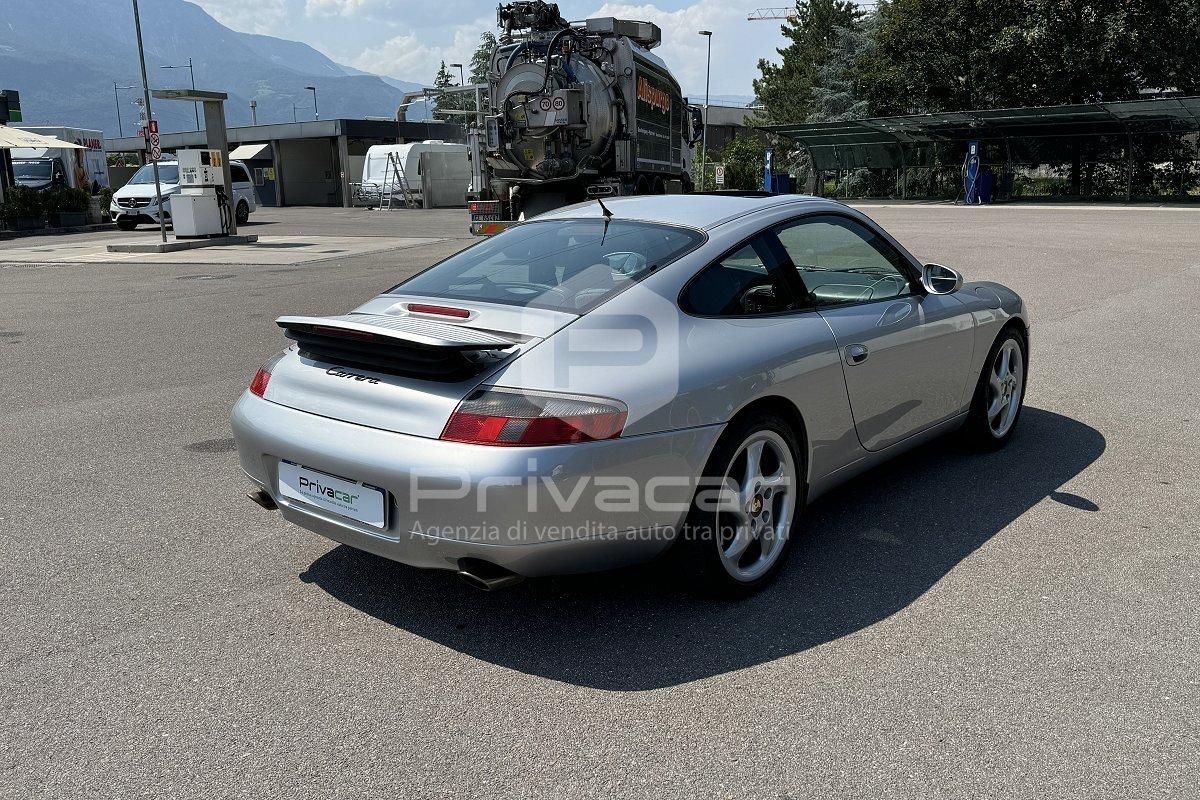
622,379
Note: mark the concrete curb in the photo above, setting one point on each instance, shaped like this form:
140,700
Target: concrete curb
179,244
91,228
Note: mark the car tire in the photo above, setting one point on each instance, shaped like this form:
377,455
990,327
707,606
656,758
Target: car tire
999,393
243,212
735,554
126,224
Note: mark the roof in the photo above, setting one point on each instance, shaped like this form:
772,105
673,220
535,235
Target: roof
1155,115
15,137
704,211
315,129
249,152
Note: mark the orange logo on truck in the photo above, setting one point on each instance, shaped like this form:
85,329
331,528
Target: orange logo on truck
652,96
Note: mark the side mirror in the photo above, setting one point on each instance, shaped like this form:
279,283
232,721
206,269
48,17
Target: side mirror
940,280
696,123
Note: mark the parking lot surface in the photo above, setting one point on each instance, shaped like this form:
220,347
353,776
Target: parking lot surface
1019,624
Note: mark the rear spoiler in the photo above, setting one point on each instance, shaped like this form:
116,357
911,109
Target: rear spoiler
395,330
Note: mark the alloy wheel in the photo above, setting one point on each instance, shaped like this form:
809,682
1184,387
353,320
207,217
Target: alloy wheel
756,516
1005,383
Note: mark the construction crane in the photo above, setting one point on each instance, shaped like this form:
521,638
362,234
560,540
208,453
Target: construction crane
787,13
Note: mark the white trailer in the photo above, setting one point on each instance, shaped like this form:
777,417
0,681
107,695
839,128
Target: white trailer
395,169
41,168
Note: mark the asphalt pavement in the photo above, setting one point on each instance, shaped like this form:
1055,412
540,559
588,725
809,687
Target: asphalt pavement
1019,624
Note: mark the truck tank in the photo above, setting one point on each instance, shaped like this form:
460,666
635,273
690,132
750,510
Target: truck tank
578,110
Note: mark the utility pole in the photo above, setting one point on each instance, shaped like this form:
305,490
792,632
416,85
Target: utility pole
254,111
137,24
313,89
117,100
192,73
704,135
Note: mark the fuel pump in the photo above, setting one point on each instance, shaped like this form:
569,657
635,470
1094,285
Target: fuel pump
201,208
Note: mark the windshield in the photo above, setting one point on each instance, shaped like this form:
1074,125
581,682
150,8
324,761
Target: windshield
32,170
167,173
567,265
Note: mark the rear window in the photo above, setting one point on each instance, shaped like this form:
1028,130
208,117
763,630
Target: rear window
566,265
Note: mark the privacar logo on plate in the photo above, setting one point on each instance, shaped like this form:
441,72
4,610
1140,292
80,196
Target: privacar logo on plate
318,488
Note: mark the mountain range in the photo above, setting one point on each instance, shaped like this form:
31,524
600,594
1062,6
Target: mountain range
64,56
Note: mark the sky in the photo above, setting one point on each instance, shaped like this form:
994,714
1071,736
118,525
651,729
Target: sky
407,39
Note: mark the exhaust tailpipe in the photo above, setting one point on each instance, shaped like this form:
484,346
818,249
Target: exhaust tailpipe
485,576
265,500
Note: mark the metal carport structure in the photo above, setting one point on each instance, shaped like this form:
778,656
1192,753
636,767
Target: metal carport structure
1135,138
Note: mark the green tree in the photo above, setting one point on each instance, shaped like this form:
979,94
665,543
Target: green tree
1166,32
786,89
838,94
453,101
951,55
743,159
481,61
941,55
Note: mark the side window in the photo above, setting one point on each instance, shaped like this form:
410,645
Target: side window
841,261
746,282
237,174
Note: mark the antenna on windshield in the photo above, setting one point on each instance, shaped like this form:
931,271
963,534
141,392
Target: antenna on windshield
608,215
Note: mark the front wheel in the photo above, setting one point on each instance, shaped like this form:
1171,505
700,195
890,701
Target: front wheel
243,212
742,518
1000,393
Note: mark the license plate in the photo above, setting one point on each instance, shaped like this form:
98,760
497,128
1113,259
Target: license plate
352,499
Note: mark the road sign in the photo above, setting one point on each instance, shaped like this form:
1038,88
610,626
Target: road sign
155,147
154,126
719,174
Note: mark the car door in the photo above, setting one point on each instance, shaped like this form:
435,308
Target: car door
904,352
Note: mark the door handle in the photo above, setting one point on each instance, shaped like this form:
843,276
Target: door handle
856,354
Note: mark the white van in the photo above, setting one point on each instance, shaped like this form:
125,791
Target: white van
391,167
134,203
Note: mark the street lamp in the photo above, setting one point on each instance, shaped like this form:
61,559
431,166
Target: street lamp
254,111
462,81
158,201
704,129
117,100
295,118
313,89
192,73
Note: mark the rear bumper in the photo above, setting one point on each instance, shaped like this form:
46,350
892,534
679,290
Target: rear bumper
535,511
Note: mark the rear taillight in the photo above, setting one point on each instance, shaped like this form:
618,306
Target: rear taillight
513,418
258,386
